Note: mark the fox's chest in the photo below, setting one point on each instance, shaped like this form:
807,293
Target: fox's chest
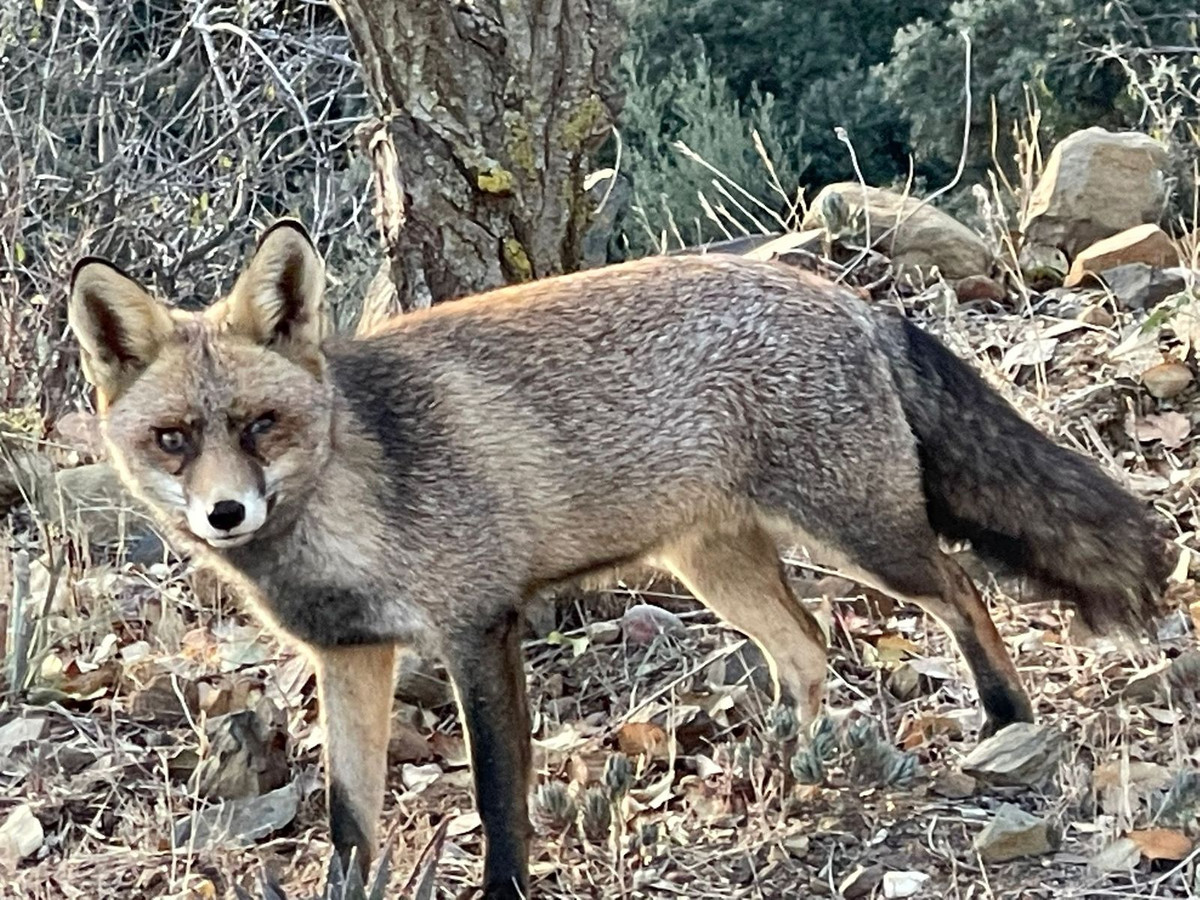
322,598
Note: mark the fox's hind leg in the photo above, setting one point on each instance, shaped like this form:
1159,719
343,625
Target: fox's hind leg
355,696
901,558
736,572
486,666
870,520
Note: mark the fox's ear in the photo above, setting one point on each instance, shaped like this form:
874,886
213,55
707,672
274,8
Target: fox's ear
278,300
119,326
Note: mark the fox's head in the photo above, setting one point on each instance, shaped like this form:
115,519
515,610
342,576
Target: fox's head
218,419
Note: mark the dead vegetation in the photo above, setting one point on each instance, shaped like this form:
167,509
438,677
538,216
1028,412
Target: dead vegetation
150,698
155,742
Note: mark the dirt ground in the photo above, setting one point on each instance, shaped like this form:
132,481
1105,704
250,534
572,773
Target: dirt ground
155,689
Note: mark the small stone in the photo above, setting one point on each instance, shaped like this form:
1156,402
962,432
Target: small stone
606,632
979,287
904,683
1167,379
1021,754
897,885
1147,244
1096,315
1141,286
954,785
1014,833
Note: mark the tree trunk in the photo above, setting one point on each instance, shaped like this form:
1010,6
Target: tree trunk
488,112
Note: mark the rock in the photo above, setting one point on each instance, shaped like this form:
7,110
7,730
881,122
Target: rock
1042,266
979,287
88,501
792,242
1147,244
239,822
1021,754
79,431
1096,315
897,885
643,622
1095,184
738,246
939,298
605,632
925,238
1167,379
1139,285
953,785
904,683
1014,833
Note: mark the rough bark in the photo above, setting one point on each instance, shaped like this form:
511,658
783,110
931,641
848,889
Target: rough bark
489,111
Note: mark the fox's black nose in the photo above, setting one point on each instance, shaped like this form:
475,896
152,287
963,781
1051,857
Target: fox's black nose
226,515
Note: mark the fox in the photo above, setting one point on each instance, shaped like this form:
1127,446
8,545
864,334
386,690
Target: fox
415,486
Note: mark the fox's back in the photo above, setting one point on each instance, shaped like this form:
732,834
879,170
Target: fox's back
661,387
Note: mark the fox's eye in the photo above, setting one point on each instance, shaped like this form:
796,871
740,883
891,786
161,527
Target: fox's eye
171,440
261,425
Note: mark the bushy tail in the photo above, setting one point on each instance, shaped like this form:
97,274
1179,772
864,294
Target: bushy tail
992,478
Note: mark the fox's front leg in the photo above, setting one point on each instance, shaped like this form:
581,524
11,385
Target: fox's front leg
489,677
354,684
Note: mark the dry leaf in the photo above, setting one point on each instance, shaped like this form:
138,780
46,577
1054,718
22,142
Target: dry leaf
634,738
1171,428
21,834
1162,843
894,647
1029,353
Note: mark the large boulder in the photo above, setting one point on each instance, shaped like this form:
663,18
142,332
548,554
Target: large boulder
1096,183
917,237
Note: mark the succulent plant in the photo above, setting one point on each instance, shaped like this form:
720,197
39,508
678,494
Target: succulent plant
342,886
338,884
781,723
553,806
596,814
875,759
618,775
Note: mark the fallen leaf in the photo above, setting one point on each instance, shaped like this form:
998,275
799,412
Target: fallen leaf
1119,856
1029,353
20,732
635,738
1162,843
21,834
418,778
895,647
1171,428
240,822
